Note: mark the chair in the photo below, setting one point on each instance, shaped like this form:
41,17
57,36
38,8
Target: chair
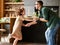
1,32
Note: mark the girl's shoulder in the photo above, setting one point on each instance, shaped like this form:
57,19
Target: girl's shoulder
20,17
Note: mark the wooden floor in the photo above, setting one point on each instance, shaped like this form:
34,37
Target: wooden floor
5,41
22,44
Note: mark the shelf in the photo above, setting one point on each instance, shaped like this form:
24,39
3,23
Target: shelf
21,3
12,17
4,22
9,10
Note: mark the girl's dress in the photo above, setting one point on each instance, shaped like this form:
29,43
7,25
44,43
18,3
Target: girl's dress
16,33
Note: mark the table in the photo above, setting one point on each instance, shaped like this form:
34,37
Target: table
2,24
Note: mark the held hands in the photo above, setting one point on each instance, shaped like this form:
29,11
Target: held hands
43,20
33,22
28,25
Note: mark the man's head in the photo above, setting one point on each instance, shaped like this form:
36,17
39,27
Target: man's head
38,4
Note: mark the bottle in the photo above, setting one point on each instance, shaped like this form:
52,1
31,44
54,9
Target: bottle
10,15
6,15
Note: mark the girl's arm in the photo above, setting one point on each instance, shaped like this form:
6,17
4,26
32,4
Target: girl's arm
32,23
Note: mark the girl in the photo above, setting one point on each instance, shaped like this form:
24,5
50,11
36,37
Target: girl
16,33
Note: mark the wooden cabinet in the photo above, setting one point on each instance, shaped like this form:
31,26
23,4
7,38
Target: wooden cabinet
10,8
1,8
7,8
12,20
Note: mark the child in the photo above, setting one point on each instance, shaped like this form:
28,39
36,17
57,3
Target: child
16,33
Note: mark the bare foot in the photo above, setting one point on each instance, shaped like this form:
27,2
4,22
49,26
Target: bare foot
15,42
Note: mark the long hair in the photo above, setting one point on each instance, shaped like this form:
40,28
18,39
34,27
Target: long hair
20,11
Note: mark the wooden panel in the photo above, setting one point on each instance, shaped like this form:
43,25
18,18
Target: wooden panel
1,8
12,20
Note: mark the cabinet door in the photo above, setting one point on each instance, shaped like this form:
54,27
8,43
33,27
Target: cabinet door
1,8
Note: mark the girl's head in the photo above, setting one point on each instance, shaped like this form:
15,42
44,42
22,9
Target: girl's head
20,12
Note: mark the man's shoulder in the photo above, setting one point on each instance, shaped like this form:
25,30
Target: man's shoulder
45,9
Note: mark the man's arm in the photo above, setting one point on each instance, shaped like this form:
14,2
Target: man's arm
43,20
31,23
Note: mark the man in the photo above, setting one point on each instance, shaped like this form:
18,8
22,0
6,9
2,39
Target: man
52,22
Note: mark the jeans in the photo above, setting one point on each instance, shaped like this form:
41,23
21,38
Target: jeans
50,35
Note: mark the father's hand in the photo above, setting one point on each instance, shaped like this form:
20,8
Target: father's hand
28,24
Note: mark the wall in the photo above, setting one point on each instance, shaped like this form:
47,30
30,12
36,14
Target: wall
50,2
29,4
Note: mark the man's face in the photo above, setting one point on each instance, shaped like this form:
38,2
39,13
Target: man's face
37,5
